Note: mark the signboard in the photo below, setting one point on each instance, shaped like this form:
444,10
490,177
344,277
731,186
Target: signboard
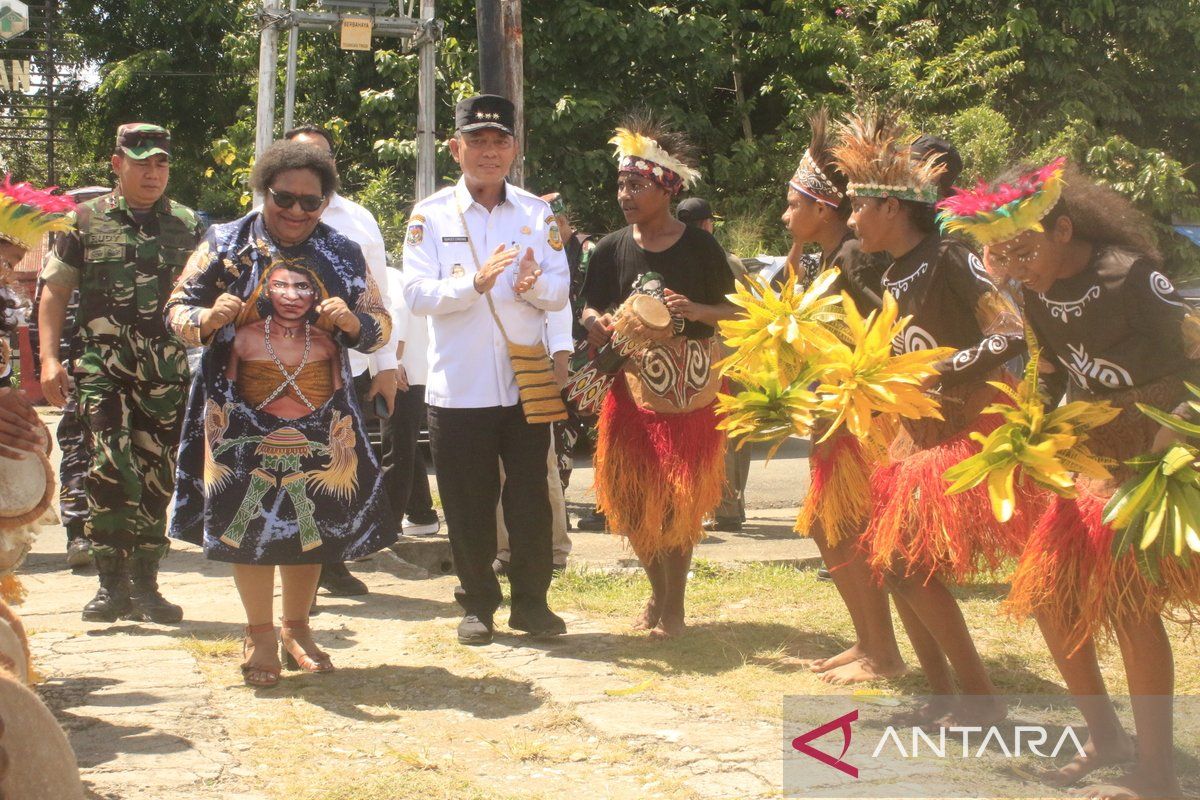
356,33
14,19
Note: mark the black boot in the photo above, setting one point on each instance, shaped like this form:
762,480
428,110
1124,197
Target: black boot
338,581
148,604
112,601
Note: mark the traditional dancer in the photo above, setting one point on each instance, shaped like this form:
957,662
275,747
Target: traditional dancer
1115,329
26,215
918,539
660,456
838,502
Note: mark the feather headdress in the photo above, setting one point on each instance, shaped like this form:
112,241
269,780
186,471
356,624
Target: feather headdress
810,178
994,214
874,153
27,213
637,152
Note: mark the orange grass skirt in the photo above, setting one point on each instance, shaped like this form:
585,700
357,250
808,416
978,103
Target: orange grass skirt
838,502
1069,576
916,530
657,475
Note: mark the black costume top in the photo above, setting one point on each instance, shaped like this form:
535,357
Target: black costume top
953,302
861,273
1116,325
695,267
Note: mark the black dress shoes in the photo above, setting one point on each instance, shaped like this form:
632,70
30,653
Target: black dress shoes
338,581
537,623
473,630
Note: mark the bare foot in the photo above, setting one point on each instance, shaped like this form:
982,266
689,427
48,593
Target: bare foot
979,710
1136,785
923,714
648,619
861,671
669,627
847,656
1093,758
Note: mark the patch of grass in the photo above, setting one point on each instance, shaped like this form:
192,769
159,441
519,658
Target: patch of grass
401,784
527,748
751,626
212,649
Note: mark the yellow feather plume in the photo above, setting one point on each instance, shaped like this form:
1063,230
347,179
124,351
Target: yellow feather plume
632,144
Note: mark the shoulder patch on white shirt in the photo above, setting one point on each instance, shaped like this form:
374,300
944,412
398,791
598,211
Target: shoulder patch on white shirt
416,230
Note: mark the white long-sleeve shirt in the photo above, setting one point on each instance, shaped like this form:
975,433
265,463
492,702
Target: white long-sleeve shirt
412,330
359,226
468,358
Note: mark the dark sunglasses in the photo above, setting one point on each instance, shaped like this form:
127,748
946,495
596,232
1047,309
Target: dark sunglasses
308,202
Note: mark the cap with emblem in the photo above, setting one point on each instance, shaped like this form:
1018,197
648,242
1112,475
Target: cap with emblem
140,140
485,111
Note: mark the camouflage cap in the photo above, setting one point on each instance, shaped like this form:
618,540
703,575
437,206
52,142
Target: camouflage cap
140,140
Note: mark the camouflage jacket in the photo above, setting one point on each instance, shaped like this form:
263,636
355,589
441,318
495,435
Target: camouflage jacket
124,272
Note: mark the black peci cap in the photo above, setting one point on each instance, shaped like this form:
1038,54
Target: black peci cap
485,111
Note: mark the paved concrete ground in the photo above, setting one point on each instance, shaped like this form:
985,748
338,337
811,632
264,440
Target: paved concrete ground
151,717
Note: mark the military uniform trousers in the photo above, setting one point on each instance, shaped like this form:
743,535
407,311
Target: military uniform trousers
72,472
133,432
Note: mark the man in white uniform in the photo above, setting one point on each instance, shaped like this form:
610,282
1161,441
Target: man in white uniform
403,467
480,237
374,374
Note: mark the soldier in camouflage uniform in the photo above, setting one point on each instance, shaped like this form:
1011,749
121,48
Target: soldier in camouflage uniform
72,499
128,249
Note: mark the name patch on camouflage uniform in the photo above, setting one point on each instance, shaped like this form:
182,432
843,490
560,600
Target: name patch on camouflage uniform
416,230
552,235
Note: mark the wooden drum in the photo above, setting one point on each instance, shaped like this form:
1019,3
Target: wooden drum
641,321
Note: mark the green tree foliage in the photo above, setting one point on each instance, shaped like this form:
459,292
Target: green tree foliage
1109,82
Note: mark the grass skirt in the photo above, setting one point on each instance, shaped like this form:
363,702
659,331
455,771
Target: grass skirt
1069,575
838,502
657,475
916,530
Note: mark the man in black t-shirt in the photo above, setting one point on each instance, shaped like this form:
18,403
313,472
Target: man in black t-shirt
659,459
729,516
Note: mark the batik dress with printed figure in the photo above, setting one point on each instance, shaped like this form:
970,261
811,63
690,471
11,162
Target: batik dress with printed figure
275,466
1118,331
915,528
838,500
660,456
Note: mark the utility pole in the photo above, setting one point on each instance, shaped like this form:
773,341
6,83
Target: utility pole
268,52
514,79
289,83
426,116
490,25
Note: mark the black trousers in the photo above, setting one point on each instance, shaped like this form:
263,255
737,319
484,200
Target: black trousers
468,446
404,478
411,485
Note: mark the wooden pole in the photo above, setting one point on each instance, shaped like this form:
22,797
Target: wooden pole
514,80
426,121
289,83
268,53
490,26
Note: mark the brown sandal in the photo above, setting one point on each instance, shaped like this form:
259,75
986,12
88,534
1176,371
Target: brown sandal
300,658
252,673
